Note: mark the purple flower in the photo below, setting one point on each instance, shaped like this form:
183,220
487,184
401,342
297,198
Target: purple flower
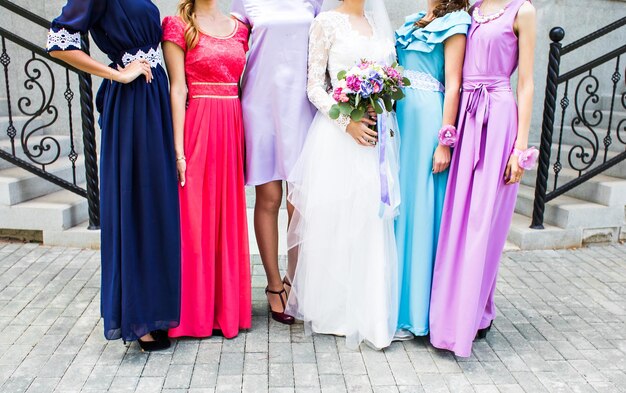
366,89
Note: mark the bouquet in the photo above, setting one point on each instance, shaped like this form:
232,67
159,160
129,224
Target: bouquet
368,83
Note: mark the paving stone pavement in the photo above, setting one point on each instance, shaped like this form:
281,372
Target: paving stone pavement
561,327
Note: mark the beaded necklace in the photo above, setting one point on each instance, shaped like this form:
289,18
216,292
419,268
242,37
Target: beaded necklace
480,18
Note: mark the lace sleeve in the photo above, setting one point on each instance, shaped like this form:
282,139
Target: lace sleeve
319,47
76,18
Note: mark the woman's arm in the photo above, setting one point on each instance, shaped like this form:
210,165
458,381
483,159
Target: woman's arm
525,27
526,31
175,61
319,47
86,63
454,53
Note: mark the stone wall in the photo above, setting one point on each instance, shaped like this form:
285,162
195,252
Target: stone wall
577,17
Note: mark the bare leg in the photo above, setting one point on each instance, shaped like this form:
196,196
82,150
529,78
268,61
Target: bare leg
292,254
268,199
147,338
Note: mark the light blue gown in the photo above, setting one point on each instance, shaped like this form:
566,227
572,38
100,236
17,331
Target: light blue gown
421,53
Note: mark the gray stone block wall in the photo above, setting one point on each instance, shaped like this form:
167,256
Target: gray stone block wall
577,17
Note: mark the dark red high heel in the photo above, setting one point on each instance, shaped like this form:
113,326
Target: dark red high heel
280,316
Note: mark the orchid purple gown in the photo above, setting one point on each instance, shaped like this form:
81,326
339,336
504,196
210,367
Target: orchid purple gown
479,206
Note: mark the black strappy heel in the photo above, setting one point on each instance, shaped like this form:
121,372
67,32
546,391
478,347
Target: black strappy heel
482,333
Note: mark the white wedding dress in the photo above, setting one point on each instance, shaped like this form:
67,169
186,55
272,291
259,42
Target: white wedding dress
345,282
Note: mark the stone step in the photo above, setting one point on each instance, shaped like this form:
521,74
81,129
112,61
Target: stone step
64,148
601,189
56,211
551,237
568,212
18,185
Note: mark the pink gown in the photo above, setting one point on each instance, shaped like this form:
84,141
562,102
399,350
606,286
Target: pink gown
215,268
479,206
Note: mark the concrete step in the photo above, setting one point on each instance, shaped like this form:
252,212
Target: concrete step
78,236
64,147
568,212
18,122
551,237
619,113
18,185
601,189
571,138
618,170
56,211
605,99
4,111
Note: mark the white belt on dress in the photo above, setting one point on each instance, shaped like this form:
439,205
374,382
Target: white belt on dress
423,81
153,55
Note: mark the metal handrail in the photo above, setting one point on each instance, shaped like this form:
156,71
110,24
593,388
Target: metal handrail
593,36
91,192
586,170
24,13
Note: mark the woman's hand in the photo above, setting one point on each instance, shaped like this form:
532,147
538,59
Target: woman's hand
181,169
362,134
441,159
133,71
513,173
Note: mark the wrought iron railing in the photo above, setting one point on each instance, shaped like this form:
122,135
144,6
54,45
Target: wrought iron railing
596,139
30,146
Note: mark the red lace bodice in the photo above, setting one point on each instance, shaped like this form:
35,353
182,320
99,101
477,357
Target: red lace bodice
215,65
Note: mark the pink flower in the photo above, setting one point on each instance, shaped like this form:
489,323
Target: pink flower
364,65
353,82
392,73
377,87
448,135
527,158
343,98
337,94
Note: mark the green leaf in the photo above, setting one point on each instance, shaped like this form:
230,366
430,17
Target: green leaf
406,82
345,108
388,104
342,75
378,108
334,112
397,95
357,114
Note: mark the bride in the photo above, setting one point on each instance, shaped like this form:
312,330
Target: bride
345,282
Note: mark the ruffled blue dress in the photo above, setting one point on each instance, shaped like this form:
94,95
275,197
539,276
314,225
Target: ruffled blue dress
139,210
421,53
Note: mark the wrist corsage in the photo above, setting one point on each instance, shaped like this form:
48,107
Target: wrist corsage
448,136
526,159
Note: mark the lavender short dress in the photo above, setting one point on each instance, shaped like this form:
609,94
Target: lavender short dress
277,113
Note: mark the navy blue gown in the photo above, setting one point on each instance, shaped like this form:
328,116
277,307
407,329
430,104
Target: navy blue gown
139,199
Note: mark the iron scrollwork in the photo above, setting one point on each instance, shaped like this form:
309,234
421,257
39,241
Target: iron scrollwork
583,155
35,151
621,126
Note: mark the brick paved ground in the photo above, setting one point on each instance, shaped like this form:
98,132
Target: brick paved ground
561,328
